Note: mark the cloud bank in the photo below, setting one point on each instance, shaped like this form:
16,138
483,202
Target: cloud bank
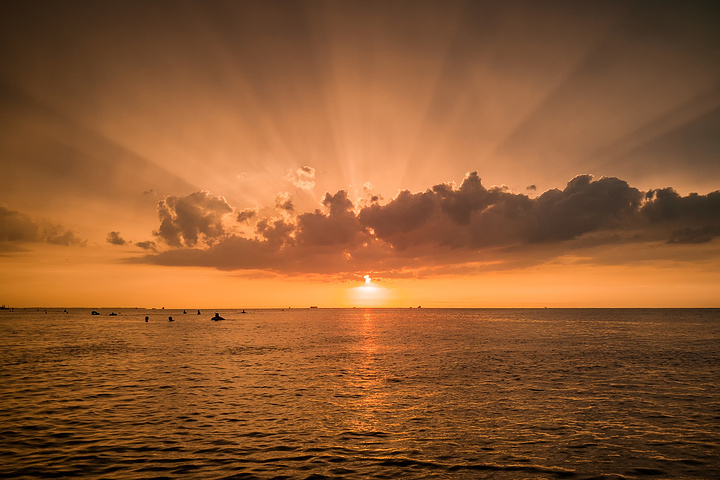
17,228
445,226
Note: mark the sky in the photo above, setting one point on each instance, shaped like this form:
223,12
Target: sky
247,154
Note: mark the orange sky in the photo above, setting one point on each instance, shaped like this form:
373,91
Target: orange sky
263,154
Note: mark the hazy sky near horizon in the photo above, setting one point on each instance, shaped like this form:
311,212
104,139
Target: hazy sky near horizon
460,153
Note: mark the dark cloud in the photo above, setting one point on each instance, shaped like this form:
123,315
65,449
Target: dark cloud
230,253
284,202
695,235
276,232
197,217
471,197
245,215
666,204
340,226
472,216
405,214
696,217
583,206
490,228
19,227
147,245
116,239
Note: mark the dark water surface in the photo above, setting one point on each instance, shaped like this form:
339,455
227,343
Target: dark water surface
355,393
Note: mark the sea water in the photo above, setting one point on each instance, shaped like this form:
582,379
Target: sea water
355,393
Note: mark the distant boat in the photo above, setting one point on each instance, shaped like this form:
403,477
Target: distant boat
113,314
217,317
94,313
314,306
3,307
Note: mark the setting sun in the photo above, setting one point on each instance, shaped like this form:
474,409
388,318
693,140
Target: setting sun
370,295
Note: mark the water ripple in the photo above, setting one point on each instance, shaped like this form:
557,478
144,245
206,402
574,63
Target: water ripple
580,394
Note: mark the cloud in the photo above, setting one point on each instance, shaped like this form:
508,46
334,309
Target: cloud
695,235
694,218
340,226
667,205
472,216
303,177
245,215
18,227
276,232
197,217
230,253
116,239
370,195
406,214
284,202
448,227
147,245
583,206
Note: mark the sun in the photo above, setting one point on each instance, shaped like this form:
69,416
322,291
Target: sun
368,294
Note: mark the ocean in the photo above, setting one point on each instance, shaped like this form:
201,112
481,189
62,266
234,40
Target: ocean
360,393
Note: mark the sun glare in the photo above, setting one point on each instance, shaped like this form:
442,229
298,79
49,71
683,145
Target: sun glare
369,294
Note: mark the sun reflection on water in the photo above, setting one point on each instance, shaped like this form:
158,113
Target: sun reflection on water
370,406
